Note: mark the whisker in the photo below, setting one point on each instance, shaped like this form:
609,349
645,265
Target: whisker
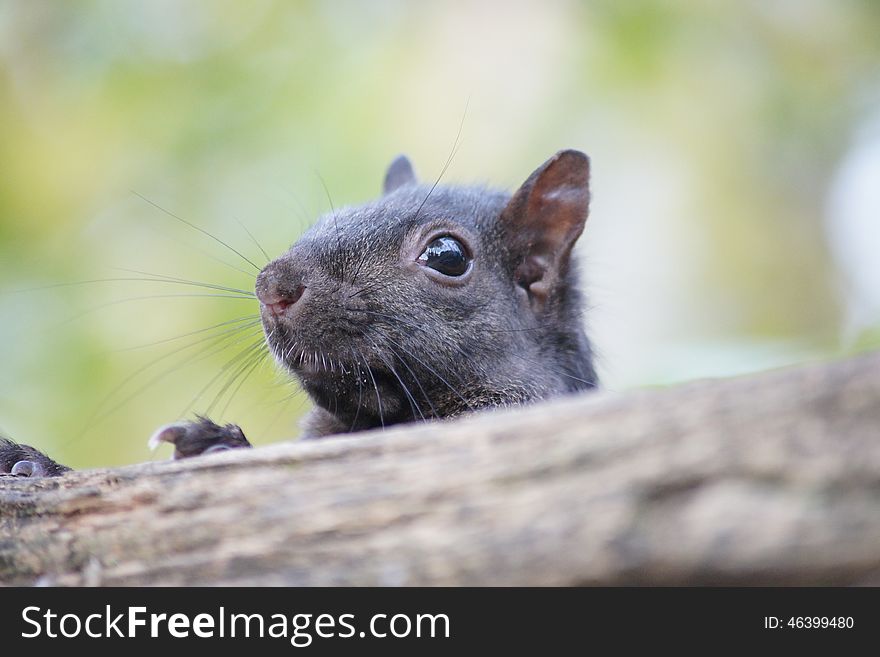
281,408
416,379
435,373
418,328
341,270
246,318
378,396
372,287
254,240
244,353
360,265
255,361
194,227
357,412
412,402
148,297
215,258
532,361
215,341
409,324
211,349
404,322
164,278
156,278
419,360
448,159
192,247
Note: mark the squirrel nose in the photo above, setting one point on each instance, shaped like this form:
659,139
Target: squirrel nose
278,302
277,295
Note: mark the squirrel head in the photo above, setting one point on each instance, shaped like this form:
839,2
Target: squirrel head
434,300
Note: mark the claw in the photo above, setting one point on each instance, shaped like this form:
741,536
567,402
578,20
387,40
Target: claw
201,436
169,433
28,469
217,448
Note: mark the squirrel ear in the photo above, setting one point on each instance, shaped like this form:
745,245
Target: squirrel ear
544,219
400,172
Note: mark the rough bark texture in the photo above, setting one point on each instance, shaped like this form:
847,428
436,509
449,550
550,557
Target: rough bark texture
771,479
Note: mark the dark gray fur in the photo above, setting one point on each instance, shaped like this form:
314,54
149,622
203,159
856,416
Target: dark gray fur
377,339
376,342
25,461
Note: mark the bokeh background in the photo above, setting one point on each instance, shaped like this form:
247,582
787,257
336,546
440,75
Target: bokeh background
736,166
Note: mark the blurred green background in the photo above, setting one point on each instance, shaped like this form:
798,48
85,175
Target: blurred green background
736,163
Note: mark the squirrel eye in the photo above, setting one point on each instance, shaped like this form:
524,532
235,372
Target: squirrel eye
447,256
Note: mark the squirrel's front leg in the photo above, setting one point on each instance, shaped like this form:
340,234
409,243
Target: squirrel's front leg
25,461
200,436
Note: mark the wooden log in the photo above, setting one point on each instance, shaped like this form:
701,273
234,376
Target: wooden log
767,479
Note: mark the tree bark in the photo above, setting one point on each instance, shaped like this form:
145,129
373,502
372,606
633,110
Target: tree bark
768,479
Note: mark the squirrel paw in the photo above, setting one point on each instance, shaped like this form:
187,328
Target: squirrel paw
201,436
25,461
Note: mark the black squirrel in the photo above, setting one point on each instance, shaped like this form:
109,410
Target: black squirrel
429,302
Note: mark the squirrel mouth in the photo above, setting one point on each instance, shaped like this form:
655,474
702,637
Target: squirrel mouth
319,363
321,369
343,378
350,386
359,393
